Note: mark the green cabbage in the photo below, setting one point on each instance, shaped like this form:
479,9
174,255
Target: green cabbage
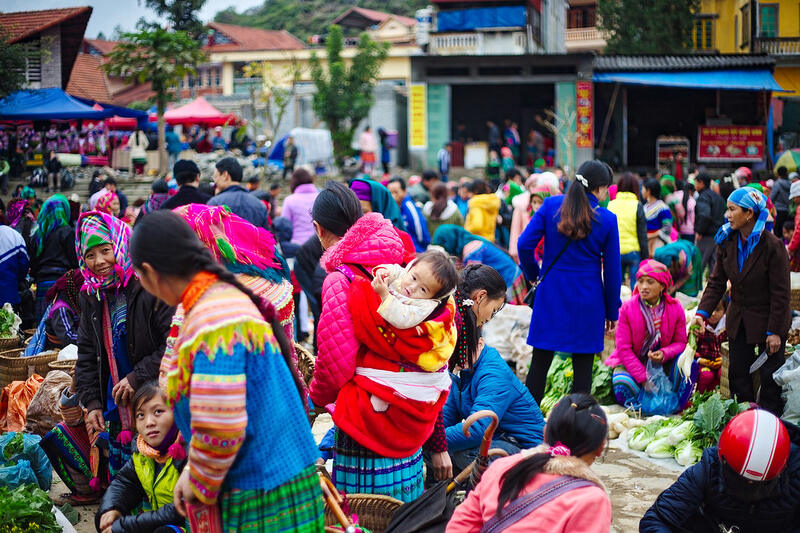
640,437
683,432
688,452
666,427
660,449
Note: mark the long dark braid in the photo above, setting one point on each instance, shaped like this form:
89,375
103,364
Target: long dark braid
166,242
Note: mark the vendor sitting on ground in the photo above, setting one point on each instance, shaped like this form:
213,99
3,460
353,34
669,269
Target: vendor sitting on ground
652,326
685,264
489,384
709,345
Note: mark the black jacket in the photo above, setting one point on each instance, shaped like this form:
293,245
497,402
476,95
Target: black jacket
310,275
709,213
53,165
148,321
58,255
697,501
187,194
126,494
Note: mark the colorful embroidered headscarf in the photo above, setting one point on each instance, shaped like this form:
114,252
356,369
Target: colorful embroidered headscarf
154,203
242,247
747,198
55,213
27,193
14,210
657,271
104,202
96,228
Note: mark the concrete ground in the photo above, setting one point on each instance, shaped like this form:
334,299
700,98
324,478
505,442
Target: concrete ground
633,483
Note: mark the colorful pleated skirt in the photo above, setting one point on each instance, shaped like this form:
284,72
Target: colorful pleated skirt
359,470
296,506
516,293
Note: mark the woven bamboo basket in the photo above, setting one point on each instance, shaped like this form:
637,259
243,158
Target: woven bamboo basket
724,384
305,362
8,343
374,511
66,365
16,368
794,299
28,333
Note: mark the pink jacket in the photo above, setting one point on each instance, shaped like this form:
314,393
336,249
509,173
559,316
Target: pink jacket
297,208
583,510
519,220
372,241
632,331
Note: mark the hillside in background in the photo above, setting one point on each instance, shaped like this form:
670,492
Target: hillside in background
304,18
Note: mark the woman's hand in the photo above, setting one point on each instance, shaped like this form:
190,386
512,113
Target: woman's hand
611,325
183,493
122,393
442,466
108,519
700,322
95,420
773,344
656,357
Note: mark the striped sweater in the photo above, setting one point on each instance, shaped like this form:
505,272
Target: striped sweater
234,397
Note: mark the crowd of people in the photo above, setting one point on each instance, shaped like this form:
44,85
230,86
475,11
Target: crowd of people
184,307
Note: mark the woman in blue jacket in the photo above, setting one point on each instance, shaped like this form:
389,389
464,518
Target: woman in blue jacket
490,384
578,299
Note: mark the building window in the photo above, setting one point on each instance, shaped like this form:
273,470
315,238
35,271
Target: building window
768,20
216,77
745,33
703,34
582,17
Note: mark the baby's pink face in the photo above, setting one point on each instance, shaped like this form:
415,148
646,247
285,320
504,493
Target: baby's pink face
419,283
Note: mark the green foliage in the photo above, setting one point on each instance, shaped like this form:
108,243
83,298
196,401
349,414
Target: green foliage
12,65
26,508
182,14
14,447
7,318
344,94
652,27
559,382
304,18
710,414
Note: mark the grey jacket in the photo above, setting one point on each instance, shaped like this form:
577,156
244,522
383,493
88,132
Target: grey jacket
780,194
244,204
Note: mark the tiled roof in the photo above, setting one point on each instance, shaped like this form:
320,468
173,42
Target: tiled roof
88,80
23,24
376,16
102,46
644,63
246,39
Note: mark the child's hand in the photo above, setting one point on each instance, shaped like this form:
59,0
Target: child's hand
380,283
108,519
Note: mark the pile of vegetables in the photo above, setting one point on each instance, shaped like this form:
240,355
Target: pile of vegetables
559,382
9,322
26,508
686,437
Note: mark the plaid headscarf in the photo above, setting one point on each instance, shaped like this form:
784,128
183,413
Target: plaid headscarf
96,228
104,202
752,199
54,213
14,210
154,203
234,242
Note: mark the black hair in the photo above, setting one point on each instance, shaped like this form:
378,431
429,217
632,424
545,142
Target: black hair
704,177
166,241
782,172
443,270
397,179
440,196
110,181
430,175
96,173
145,393
576,212
687,192
512,173
653,187
160,186
629,183
726,186
480,187
300,176
788,225
186,177
336,208
578,422
232,167
275,186
474,277
253,179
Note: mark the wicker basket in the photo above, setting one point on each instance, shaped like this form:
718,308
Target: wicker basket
794,299
305,363
16,368
724,384
66,365
374,511
8,343
28,333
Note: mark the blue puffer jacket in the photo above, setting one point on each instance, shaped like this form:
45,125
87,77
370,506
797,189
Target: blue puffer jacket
697,501
416,225
491,384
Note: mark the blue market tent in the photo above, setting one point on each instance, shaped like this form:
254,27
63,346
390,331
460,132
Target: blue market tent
742,80
47,104
140,116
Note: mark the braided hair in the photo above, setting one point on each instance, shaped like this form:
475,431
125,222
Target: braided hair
167,242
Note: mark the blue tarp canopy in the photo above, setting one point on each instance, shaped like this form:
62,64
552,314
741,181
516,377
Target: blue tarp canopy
740,80
47,104
115,109
481,17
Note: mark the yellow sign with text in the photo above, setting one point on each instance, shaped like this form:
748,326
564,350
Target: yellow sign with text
418,117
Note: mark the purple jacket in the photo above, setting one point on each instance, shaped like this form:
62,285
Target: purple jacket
297,208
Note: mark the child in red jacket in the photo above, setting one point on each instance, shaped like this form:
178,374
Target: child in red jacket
709,342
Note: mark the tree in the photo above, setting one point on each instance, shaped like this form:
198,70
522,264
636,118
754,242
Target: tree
344,94
273,92
652,27
101,36
182,14
12,64
161,57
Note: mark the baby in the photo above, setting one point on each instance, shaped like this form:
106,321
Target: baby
409,295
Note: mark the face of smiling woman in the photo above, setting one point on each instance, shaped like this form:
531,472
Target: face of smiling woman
100,260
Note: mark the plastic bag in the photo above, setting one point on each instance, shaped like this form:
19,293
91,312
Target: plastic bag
18,474
660,399
44,411
788,377
33,455
14,401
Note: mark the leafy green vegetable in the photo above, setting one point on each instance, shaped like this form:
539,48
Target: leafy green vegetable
7,317
14,447
683,432
27,508
688,452
559,382
666,427
660,449
712,415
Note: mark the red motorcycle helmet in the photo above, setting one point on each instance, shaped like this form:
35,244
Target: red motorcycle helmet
755,445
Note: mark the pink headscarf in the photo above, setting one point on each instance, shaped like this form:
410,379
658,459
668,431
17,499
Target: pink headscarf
104,202
657,271
505,151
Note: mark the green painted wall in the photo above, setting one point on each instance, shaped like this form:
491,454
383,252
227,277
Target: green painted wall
438,121
565,108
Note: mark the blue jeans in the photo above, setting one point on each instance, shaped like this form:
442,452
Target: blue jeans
631,261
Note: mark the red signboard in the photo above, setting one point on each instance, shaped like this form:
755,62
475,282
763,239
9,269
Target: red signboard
584,114
730,144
